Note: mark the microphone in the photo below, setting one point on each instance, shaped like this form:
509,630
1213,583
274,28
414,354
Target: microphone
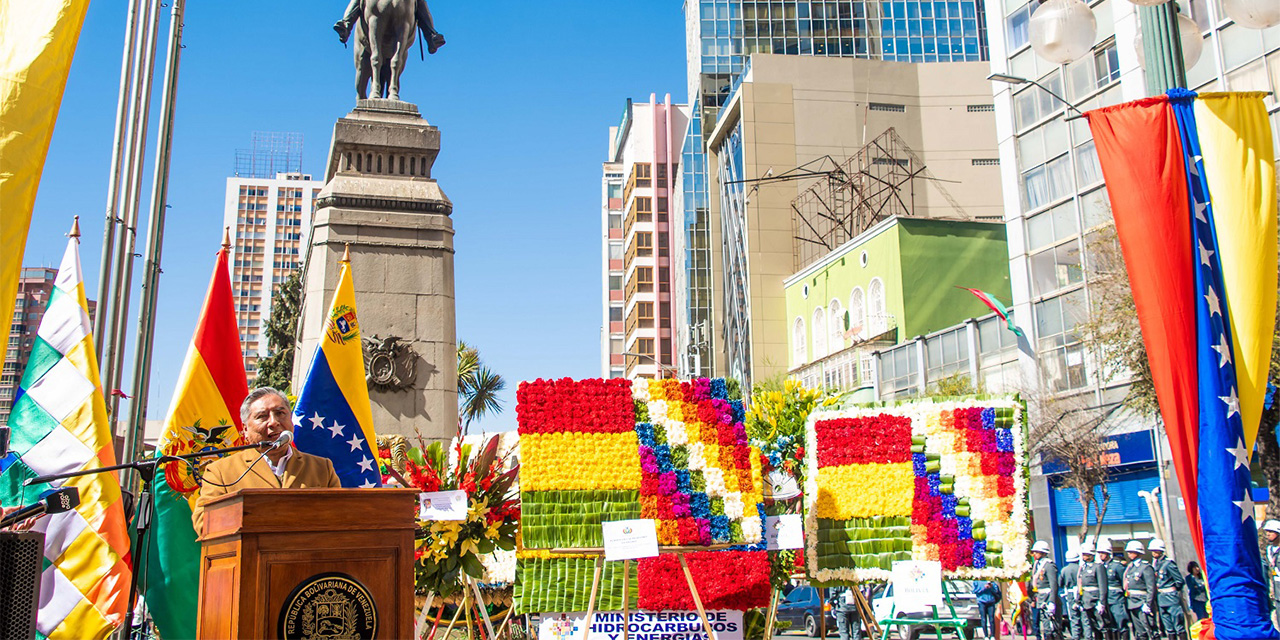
64,499
281,440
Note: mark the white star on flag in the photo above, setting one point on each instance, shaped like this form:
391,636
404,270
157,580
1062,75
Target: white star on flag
1191,166
1223,350
1246,506
317,421
355,442
1233,403
1240,454
336,429
366,464
1200,207
368,484
1205,255
1212,299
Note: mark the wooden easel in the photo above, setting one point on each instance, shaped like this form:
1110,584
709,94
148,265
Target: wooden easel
679,552
469,588
866,613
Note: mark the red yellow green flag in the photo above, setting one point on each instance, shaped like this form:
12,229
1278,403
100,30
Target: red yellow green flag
204,415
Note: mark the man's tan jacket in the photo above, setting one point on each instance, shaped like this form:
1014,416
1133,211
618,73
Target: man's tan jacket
302,471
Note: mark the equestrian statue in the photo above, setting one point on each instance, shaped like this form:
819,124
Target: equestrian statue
385,31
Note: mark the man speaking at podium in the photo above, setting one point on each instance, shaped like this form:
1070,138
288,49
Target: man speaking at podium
265,414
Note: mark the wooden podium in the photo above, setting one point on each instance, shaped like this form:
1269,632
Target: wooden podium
335,562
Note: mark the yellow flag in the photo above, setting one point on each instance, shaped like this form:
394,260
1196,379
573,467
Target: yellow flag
1239,161
37,39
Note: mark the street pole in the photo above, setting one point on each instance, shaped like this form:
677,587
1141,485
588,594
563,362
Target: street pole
127,80
1162,48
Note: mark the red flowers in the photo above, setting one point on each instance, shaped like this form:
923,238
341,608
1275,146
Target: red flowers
584,406
736,580
873,439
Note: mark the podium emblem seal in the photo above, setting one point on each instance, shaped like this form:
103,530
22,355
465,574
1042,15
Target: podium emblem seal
329,606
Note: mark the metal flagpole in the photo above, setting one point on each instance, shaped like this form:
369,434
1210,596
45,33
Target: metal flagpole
133,189
155,242
113,182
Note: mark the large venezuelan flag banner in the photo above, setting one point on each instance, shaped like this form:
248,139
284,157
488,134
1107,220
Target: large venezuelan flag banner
37,40
1192,187
59,424
203,415
333,418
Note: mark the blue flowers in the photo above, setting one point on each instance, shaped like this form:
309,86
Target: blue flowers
719,389
663,453
644,431
736,408
720,530
964,527
989,417
949,503
683,482
700,506
1004,440
979,554
918,462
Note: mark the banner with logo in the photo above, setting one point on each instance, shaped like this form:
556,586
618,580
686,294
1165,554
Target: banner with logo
643,625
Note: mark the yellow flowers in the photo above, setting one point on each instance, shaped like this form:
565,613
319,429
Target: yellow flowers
865,490
572,461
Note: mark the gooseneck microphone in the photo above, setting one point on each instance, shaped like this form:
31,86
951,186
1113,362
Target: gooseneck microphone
64,499
281,440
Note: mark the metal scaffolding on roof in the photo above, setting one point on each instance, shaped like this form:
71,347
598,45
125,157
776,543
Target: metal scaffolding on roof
272,152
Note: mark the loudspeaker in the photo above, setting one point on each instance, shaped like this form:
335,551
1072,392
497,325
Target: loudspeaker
22,557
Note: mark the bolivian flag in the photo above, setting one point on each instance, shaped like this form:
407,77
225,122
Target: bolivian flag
204,415
333,418
59,424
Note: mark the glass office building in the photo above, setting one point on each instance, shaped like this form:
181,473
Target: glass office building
720,37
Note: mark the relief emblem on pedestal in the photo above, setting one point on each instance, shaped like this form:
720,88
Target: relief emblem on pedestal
390,363
329,606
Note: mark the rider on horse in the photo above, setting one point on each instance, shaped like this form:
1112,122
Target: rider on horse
355,10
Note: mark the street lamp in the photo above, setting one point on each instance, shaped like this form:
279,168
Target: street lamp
1015,81
662,368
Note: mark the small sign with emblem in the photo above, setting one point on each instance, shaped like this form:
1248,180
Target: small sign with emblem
329,606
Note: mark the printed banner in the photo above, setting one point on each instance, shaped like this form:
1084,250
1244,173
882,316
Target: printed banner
643,625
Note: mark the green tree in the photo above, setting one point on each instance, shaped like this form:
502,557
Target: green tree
276,370
478,388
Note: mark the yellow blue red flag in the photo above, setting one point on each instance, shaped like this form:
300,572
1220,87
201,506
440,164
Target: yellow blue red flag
333,418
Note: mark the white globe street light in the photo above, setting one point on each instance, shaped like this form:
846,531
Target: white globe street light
1188,34
1062,31
1254,14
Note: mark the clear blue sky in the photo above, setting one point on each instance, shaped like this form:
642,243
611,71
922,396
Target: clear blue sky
524,93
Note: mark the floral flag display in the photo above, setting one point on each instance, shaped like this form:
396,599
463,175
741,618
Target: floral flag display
940,481
676,452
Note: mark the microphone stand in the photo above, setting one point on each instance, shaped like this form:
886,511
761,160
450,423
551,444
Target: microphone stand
142,519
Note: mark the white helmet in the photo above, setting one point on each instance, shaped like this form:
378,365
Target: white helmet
1135,547
1040,547
1157,545
1073,556
1104,546
1086,549
1272,526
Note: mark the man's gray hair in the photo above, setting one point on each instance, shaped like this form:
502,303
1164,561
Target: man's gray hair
257,394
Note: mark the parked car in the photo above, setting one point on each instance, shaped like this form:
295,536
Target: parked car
803,609
962,598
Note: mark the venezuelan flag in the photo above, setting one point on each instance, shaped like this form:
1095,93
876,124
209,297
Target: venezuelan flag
1192,187
333,418
203,415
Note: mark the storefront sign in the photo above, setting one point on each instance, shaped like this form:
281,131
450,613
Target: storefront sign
1120,449
643,625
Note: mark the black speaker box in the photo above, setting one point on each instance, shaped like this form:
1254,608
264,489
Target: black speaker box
21,558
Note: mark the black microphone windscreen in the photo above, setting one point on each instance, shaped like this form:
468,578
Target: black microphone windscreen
64,499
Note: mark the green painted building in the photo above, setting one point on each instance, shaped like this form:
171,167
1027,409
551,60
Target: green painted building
892,283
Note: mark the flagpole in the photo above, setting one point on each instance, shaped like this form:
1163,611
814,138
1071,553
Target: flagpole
113,356
127,64
155,244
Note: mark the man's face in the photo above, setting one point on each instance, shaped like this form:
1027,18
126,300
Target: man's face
1133,555
268,418
1272,536
1104,558
1037,555
1157,554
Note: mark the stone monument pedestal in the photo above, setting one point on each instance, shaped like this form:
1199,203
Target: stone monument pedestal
379,199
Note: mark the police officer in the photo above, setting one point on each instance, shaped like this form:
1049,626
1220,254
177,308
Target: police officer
1118,617
1271,531
1169,585
1067,583
1139,591
1093,594
1044,585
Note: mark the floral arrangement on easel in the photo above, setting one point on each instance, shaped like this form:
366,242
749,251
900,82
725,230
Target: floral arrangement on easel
929,480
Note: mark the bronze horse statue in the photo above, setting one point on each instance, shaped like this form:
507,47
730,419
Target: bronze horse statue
384,39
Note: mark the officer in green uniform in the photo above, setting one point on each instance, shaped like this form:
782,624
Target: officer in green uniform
1118,617
1070,595
1271,531
1169,585
1092,585
1139,591
1044,585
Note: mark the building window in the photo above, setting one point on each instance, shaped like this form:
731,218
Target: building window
615,282
644,244
644,314
980,108
799,354
1061,353
876,317
615,250
615,346
819,334
858,313
1052,226
835,326
644,279
644,346
985,162
615,314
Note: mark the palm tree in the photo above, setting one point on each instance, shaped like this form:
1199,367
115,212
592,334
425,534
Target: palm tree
478,388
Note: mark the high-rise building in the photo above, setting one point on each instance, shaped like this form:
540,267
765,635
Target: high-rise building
1056,205
720,37
639,178
35,285
269,214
